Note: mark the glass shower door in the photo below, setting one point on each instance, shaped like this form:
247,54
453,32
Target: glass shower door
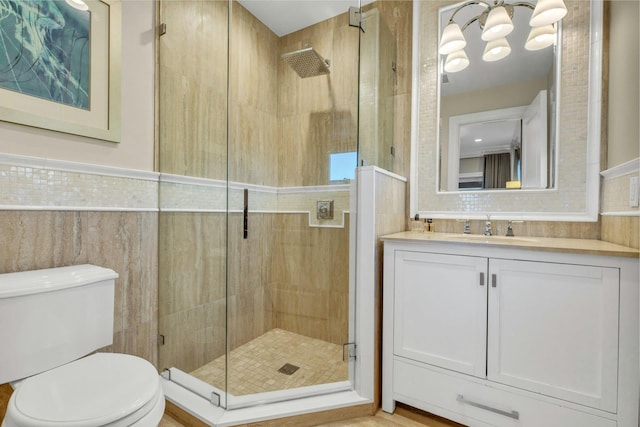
288,288
192,159
256,159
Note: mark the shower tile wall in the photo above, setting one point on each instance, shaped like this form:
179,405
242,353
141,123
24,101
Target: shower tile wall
193,123
309,278
397,16
253,94
318,115
281,131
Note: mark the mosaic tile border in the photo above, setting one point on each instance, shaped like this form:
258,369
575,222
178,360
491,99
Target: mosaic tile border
30,183
185,194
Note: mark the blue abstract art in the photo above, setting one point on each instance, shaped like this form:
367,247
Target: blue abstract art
45,51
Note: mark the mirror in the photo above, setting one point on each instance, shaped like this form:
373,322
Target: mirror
571,191
481,119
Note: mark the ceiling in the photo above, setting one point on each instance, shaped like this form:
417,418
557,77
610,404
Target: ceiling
497,136
287,16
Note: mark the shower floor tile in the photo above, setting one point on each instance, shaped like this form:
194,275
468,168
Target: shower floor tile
254,366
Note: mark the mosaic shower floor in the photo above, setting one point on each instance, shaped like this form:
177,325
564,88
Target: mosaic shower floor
254,366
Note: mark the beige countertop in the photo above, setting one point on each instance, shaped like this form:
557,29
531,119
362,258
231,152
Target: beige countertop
550,244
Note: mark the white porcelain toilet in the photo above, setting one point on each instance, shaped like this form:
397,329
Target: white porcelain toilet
49,321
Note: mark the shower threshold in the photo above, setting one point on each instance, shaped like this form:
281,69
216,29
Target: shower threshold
260,407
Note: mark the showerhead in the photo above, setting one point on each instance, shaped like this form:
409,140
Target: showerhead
307,62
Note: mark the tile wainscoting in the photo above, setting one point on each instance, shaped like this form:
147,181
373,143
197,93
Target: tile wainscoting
620,222
56,213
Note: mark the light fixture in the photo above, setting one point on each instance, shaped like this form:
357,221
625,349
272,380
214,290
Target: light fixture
496,50
452,39
547,12
78,4
456,61
540,37
495,23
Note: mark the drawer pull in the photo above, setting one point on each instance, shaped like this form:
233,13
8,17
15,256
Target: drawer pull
481,279
513,414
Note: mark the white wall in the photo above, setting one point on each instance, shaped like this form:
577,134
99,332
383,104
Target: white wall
135,151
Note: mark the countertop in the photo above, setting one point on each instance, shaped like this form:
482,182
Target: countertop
550,244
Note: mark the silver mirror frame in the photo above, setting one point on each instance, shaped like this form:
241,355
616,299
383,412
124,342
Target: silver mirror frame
577,191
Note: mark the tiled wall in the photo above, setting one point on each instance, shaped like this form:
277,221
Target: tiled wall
58,216
318,115
397,17
620,222
292,270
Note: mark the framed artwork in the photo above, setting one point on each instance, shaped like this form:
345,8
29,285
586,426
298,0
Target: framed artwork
60,66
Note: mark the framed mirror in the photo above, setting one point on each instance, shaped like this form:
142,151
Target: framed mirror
555,177
483,105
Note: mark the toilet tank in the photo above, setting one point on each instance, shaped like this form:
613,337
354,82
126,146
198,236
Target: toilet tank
54,316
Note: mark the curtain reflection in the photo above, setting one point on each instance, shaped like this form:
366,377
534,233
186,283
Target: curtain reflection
497,170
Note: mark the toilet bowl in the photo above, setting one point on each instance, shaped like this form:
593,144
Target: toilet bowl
104,389
49,321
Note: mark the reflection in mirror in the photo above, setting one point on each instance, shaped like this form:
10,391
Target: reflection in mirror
496,103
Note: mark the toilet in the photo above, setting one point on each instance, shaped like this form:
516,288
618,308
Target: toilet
50,322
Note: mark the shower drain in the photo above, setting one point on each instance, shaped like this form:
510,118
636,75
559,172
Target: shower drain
288,369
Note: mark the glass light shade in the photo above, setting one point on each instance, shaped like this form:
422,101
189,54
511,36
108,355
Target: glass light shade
456,61
452,39
498,24
496,50
540,37
78,4
547,12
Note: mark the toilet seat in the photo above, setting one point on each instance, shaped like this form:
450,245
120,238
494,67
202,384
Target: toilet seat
103,389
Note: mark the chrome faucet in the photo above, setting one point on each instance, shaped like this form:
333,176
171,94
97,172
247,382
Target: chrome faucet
487,226
467,225
509,228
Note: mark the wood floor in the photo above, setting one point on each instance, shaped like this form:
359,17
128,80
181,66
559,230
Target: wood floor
404,416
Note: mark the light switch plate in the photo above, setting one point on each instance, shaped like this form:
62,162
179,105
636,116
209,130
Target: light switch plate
633,192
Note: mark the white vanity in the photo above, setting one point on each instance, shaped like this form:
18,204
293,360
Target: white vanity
497,331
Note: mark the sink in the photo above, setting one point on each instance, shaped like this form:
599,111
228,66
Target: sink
490,239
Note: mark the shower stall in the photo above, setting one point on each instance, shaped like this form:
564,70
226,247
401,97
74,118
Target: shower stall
257,147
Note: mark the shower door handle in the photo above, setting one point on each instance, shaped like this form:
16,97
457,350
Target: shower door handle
245,214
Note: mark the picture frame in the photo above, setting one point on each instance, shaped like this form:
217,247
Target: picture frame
62,66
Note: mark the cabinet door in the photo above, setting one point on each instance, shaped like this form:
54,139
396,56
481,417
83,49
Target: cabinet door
441,310
553,329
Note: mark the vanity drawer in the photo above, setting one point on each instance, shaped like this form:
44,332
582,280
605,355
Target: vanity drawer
476,404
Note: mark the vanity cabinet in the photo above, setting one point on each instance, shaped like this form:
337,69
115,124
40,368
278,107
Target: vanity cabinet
499,335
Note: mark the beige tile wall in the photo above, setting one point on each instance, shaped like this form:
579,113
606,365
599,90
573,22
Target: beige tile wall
318,115
623,230
192,75
397,16
308,278
281,131
285,274
253,95
123,241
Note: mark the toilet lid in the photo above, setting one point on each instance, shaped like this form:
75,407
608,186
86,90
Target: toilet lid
91,391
